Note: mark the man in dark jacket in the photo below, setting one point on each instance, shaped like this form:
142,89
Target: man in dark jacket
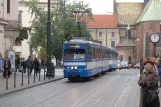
36,66
29,64
17,63
7,67
43,64
24,64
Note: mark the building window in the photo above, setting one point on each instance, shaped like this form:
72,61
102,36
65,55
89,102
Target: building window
113,34
100,42
150,25
113,44
100,34
8,6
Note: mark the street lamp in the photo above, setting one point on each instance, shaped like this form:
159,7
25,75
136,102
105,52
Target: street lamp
136,41
49,38
81,12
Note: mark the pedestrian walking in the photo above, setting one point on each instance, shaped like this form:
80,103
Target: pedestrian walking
24,65
7,67
149,86
36,66
141,66
29,65
17,63
43,64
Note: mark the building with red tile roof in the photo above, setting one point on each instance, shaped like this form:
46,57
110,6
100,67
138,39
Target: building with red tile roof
103,21
103,29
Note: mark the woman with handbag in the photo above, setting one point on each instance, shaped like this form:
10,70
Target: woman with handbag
149,86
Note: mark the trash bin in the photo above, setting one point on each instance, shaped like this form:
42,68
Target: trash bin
50,70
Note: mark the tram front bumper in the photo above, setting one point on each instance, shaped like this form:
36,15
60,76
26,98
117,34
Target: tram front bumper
75,73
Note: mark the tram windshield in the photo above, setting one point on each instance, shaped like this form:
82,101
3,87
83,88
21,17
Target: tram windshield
74,54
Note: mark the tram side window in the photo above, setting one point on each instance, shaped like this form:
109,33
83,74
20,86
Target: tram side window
111,54
95,53
89,53
105,53
100,53
108,54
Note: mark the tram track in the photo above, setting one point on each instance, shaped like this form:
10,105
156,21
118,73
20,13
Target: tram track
95,91
54,95
117,99
47,99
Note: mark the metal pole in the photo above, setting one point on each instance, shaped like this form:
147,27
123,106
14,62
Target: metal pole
39,75
15,78
44,71
28,72
79,29
6,79
48,36
22,78
154,49
85,24
34,75
64,14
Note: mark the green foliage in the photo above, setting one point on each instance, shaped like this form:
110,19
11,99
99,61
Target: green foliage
42,54
64,26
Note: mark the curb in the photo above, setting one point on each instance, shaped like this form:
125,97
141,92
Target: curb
27,87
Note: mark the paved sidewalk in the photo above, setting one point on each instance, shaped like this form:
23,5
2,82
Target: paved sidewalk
11,89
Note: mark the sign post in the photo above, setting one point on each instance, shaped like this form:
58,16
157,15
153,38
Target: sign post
11,56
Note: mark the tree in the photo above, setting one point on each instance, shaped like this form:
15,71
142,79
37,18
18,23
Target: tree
64,25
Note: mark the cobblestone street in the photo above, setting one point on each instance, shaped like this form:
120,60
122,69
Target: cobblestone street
114,89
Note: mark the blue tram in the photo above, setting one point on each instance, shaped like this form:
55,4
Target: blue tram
86,59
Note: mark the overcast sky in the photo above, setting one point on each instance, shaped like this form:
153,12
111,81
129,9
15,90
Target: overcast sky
104,6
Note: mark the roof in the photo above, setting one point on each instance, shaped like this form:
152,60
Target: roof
127,13
79,41
126,43
103,21
151,12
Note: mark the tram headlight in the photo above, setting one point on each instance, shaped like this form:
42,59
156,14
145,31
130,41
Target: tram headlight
76,67
72,67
